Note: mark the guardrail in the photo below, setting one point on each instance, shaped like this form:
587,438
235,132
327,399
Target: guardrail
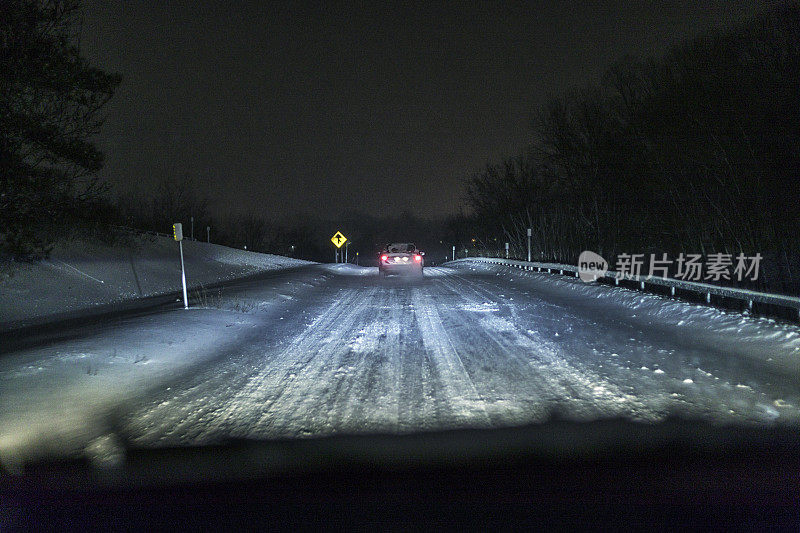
641,282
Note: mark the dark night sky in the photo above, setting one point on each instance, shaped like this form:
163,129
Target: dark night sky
286,110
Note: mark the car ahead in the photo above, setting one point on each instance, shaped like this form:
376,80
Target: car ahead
401,258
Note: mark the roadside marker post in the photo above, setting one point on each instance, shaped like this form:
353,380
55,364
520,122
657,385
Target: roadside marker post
529,245
454,252
506,250
177,234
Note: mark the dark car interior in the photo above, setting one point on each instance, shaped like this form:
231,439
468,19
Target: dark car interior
602,475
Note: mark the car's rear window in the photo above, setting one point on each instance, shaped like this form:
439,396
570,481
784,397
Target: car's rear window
401,248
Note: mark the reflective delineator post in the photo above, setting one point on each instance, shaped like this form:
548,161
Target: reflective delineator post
529,245
177,233
183,278
454,253
506,250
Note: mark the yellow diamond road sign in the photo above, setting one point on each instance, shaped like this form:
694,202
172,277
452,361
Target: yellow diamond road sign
338,240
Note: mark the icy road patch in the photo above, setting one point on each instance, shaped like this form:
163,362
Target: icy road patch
327,350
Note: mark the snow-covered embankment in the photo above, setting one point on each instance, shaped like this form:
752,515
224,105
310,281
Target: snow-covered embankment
83,276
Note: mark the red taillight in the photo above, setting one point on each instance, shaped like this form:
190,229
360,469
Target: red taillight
417,258
384,257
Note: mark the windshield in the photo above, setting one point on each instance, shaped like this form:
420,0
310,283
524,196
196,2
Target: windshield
603,208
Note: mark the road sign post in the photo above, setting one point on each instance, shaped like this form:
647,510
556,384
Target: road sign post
529,245
338,240
177,234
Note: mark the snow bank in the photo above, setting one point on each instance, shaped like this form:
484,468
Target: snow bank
58,397
83,275
773,342
62,397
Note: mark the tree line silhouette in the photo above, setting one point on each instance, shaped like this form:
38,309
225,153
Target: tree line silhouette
696,151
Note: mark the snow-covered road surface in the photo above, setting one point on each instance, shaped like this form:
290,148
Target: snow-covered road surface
329,349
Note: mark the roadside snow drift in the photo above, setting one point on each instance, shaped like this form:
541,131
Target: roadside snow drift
773,343
82,275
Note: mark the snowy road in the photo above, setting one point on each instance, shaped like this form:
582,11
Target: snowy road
333,349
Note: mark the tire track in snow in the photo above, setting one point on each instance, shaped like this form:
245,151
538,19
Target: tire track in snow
561,378
202,418
287,383
306,404
441,353
461,394
374,363
654,393
513,390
